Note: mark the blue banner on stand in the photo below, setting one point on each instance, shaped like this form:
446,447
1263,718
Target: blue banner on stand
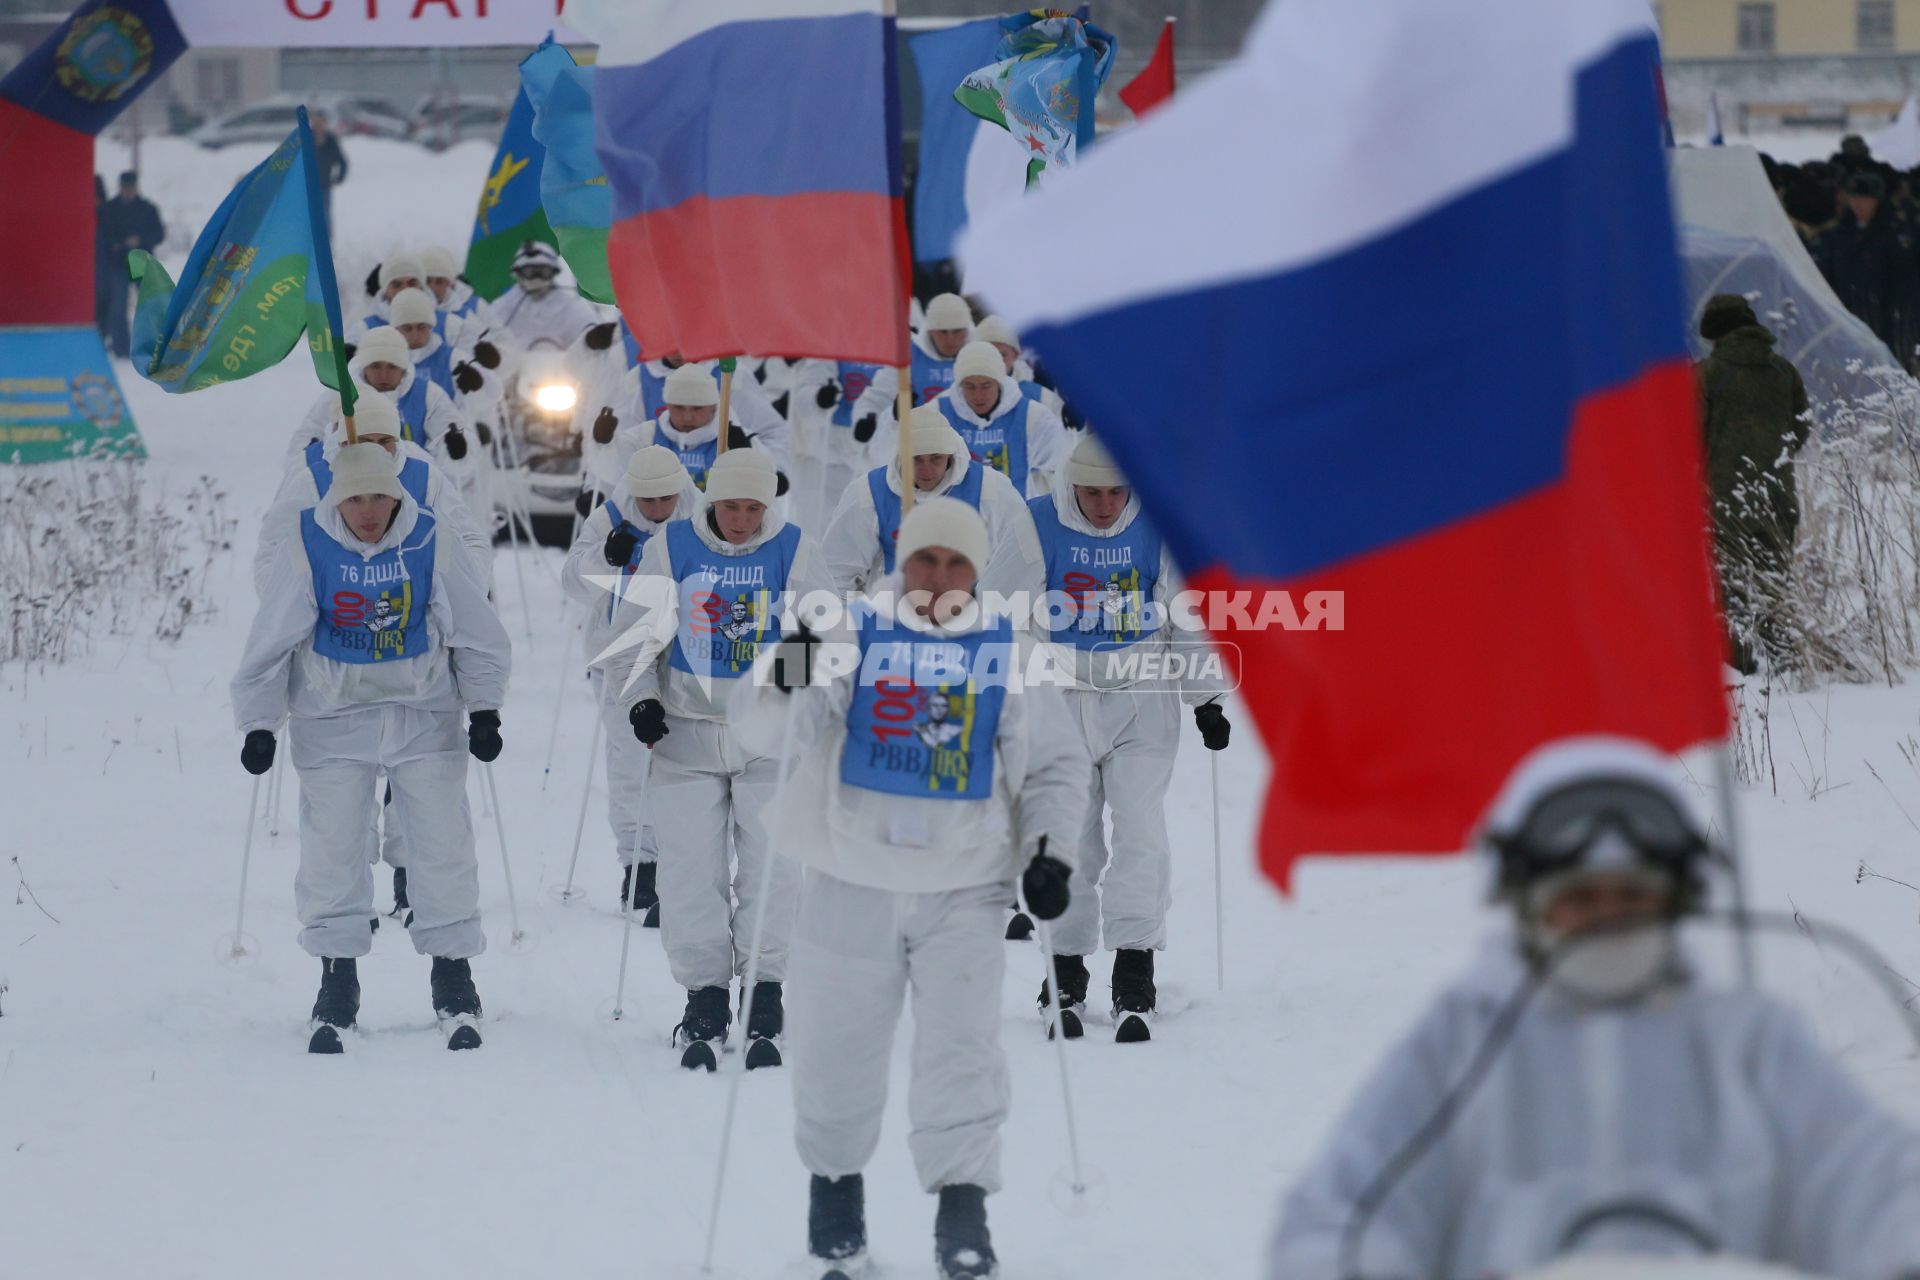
58,398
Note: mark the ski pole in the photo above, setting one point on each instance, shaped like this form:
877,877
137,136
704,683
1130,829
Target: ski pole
506,864
553,730
1044,931
626,929
752,976
586,791
1219,902
273,800
246,860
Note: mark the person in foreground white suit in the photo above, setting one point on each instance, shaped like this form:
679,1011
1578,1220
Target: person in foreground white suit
1633,1108
928,779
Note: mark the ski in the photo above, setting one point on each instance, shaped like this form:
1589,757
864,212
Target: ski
699,1056
1132,1029
462,1031
852,1268
1069,1024
762,1052
325,1039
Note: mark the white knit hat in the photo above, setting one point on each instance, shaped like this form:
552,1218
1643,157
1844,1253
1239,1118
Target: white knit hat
994,329
928,431
383,344
943,522
438,262
360,469
1090,464
979,360
691,384
949,311
373,415
411,306
655,472
743,473
401,266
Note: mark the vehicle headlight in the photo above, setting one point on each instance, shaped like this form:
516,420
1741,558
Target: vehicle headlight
556,397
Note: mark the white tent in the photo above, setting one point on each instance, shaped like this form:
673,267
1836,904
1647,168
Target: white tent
1735,238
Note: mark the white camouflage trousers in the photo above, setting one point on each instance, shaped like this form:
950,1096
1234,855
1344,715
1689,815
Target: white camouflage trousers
707,794
1132,738
424,756
857,953
628,762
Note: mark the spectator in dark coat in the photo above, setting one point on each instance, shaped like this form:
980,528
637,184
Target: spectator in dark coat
328,158
102,260
1753,407
129,221
1870,265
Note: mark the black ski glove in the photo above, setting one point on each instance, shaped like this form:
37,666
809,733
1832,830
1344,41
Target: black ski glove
1044,884
780,484
1214,729
863,429
456,444
827,396
649,721
483,736
600,336
348,349
604,425
256,753
793,660
738,439
621,541
1070,417
467,378
780,404
485,433
586,502
487,354
373,281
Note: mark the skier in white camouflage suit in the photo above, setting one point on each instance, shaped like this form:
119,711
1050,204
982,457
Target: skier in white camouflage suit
913,836
598,572
709,595
1633,1108
376,636
1108,564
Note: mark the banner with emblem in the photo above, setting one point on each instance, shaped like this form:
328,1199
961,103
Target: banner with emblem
509,213
59,400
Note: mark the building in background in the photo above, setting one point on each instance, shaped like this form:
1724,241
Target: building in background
1780,66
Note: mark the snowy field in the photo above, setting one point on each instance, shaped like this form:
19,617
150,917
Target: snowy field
159,1116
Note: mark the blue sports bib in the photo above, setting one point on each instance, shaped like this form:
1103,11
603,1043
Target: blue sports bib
413,474
729,605
886,506
926,711
697,459
931,375
1001,444
633,561
371,609
855,378
1109,580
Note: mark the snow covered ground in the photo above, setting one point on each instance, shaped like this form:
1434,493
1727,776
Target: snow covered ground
158,1115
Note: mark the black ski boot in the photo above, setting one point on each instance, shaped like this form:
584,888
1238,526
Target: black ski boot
1020,928
1070,975
1133,996
702,1032
455,1003
962,1246
764,1028
645,898
336,1008
400,904
837,1224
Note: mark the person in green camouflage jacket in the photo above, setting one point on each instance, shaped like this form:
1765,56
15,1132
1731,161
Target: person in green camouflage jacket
1753,407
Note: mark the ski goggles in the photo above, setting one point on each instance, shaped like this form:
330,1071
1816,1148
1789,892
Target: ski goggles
1564,825
536,273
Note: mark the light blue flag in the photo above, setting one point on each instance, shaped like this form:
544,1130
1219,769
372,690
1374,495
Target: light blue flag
947,131
1048,70
573,185
260,275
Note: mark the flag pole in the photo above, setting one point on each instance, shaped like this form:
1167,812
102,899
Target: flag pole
329,287
903,409
726,402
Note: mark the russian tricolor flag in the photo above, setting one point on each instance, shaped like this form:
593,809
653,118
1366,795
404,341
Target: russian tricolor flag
1392,308
753,150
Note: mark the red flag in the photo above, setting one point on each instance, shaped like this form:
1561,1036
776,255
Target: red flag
1154,84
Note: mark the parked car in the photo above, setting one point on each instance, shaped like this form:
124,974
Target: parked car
443,119
273,119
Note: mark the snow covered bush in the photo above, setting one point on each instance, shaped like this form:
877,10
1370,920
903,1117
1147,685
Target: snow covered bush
96,548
